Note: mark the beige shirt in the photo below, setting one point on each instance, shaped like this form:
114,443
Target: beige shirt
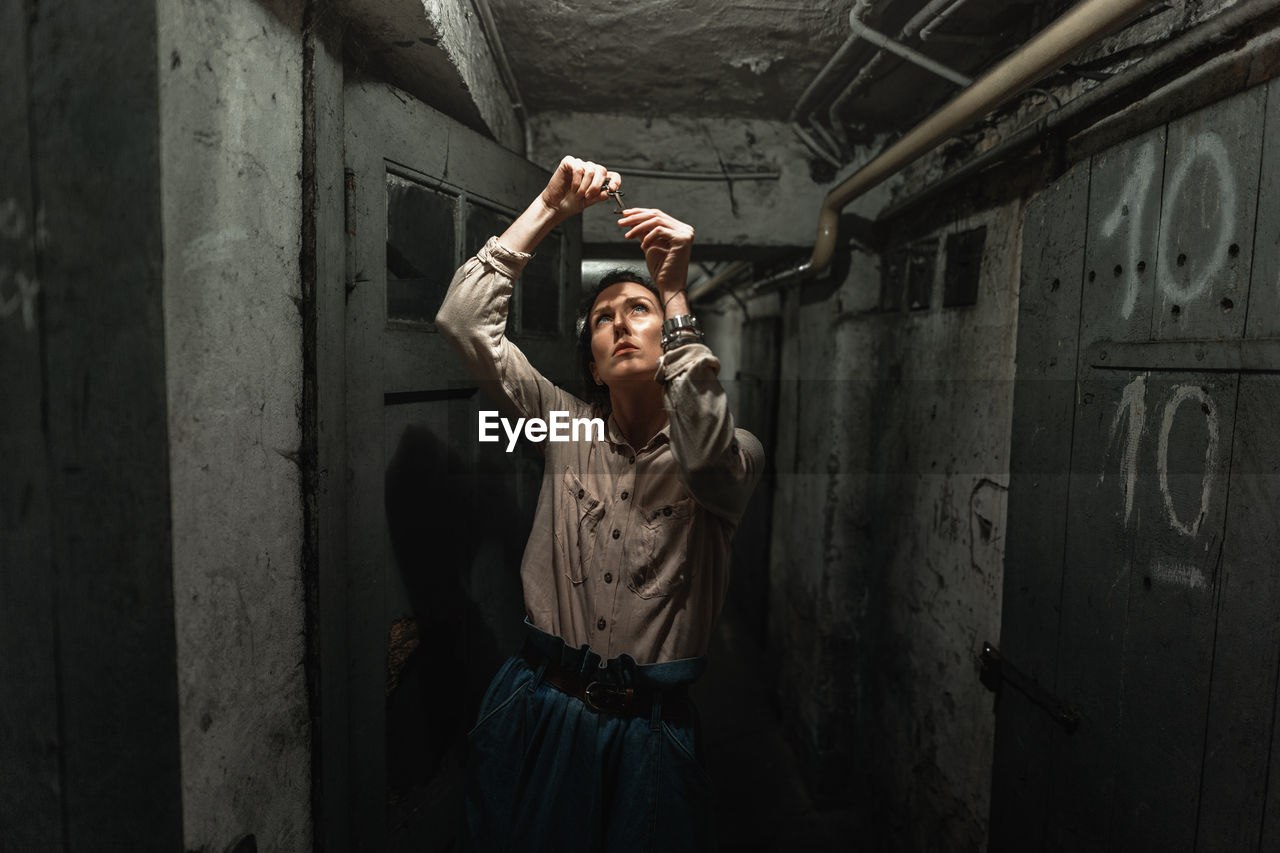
629,551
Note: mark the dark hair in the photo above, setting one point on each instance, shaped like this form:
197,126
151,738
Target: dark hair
595,394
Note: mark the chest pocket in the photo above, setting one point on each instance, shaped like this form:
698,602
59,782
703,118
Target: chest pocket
662,550
575,531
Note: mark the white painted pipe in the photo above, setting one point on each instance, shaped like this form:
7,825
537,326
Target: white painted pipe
710,283
924,18
859,9
1082,25
628,172
883,42
927,29
490,29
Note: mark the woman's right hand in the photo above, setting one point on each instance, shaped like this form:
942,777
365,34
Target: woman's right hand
577,184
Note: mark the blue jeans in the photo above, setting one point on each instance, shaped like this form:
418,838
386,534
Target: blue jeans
547,773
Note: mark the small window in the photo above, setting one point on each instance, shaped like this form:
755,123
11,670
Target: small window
421,254
540,289
964,266
921,266
536,301
483,223
893,280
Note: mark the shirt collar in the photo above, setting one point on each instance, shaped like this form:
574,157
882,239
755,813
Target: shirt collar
615,437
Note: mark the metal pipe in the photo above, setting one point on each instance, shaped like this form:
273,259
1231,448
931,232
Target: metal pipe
490,29
1083,24
629,172
923,17
859,9
883,42
927,29
813,145
1101,99
920,19
706,285
1080,26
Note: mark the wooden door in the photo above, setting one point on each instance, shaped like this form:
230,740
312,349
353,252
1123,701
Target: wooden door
435,521
1141,574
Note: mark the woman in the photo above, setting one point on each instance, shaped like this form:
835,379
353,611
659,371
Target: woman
586,739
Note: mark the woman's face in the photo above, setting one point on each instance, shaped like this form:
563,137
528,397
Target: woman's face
626,333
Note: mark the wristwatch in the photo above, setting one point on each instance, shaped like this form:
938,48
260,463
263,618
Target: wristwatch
680,330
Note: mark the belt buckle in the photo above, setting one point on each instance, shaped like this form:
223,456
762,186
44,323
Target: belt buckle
618,697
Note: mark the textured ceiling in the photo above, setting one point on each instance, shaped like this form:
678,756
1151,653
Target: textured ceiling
651,57
748,58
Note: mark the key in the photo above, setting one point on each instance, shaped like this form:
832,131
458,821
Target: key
616,196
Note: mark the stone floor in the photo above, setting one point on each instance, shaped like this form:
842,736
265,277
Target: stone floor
762,804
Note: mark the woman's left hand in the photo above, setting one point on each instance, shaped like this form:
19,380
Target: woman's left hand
667,244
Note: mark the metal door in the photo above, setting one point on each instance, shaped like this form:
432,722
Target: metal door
436,522
1140,576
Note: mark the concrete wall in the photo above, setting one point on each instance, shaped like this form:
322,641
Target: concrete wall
886,570
437,51
231,146
742,214
89,724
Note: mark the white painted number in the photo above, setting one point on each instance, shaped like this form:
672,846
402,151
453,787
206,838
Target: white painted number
1132,412
1129,212
1207,146
1132,196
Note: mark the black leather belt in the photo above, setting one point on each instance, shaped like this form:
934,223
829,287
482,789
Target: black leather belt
605,698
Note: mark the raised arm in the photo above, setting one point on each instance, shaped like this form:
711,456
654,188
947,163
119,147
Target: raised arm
574,186
473,317
718,463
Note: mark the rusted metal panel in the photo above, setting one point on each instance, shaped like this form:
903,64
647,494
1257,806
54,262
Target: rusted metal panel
1264,290
1207,218
1048,323
1176,438
1120,258
1247,647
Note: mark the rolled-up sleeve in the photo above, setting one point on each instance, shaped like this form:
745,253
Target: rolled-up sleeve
473,318
719,463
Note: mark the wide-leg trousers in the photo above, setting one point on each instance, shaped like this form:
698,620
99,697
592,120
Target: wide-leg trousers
548,773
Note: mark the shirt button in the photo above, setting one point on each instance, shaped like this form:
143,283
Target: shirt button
624,495
616,533
632,460
608,577
581,492
601,623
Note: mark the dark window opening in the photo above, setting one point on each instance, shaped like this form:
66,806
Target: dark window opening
893,280
964,266
420,258
481,224
920,274
540,289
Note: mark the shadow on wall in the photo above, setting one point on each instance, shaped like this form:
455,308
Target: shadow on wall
441,514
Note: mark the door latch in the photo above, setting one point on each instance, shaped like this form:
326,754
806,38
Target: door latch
996,671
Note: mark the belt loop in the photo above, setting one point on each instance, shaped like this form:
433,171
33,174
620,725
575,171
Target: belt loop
655,718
